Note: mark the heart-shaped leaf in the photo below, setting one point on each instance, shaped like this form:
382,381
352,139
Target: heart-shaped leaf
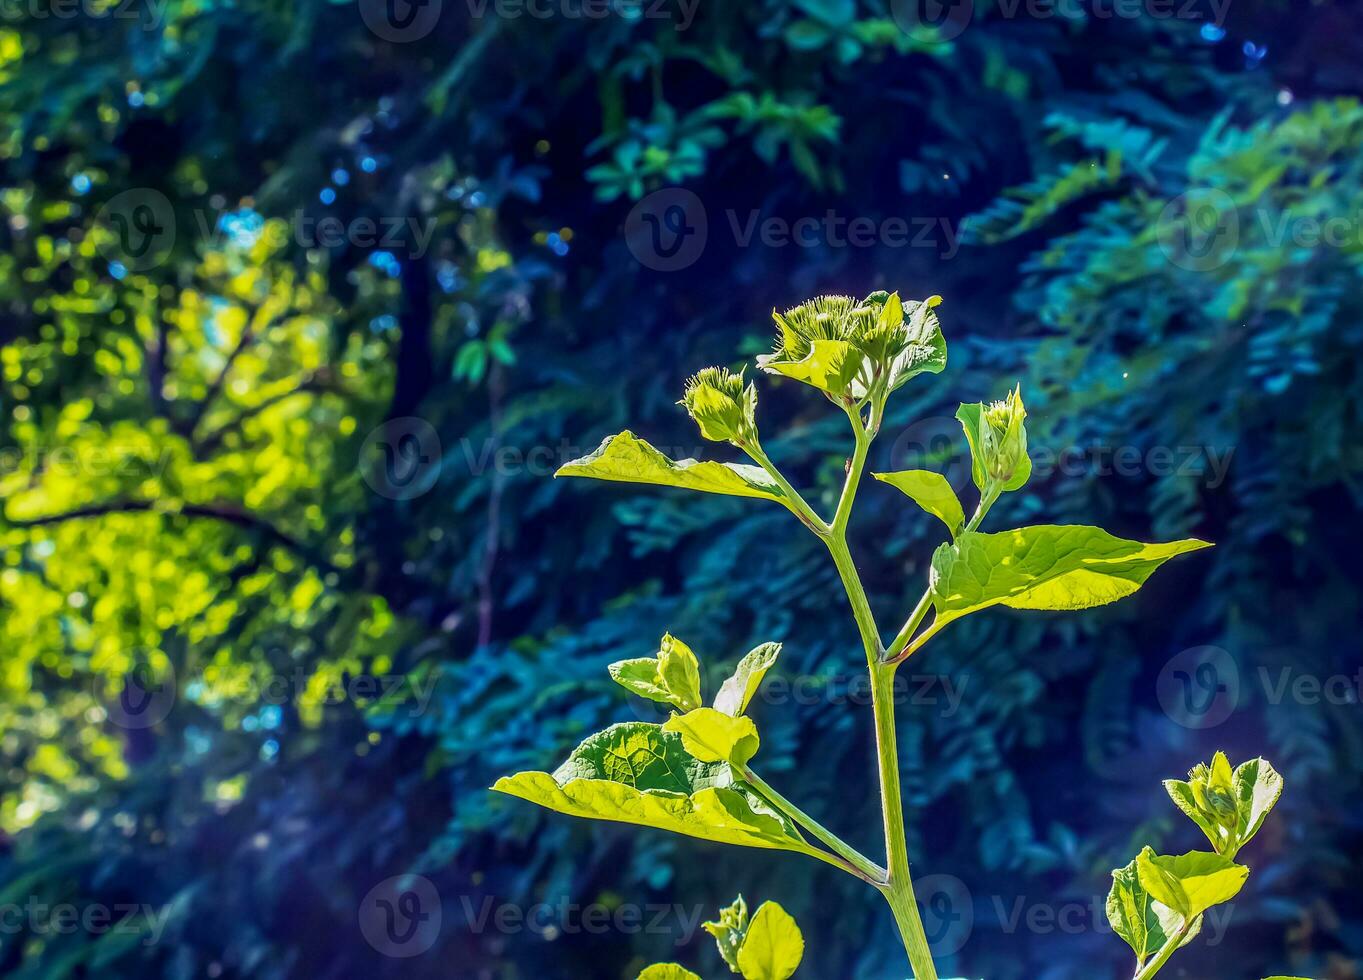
713,736
637,773
773,946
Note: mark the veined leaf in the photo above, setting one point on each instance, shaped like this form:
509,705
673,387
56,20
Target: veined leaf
667,971
1136,917
737,692
640,676
830,365
671,677
625,458
1046,566
1190,883
1257,788
932,492
713,736
773,946
637,773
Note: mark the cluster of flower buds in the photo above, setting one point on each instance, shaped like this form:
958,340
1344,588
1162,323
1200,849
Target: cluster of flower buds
851,349
723,408
1228,804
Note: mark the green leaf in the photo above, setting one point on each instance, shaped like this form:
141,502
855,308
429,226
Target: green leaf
932,492
1131,910
679,671
925,349
639,774
1257,789
729,931
1190,883
736,692
667,971
640,676
625,458
1182,795
1046,566
713,736
830,366
773,947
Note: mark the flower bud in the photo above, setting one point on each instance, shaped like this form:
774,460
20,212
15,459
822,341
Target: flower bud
998,442
724,410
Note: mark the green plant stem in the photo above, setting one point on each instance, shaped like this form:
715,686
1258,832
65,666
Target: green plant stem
1166,951
864,867
900,648
896,885
898,889
793,501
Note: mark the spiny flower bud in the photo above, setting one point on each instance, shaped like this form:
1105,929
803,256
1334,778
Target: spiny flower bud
724,410
1003,435
998,442
821,318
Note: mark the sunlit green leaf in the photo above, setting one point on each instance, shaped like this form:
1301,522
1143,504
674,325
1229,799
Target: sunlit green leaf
625,458
713,736
1046,566
773,946
736,692
932,492
1257,789
1190,883
637,773
667,971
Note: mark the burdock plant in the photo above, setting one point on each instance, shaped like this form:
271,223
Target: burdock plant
695,774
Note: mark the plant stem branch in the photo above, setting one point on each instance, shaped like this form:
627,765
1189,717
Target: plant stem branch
865,868
900,648
1167,950
794,501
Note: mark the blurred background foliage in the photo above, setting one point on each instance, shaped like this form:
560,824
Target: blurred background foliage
185,500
